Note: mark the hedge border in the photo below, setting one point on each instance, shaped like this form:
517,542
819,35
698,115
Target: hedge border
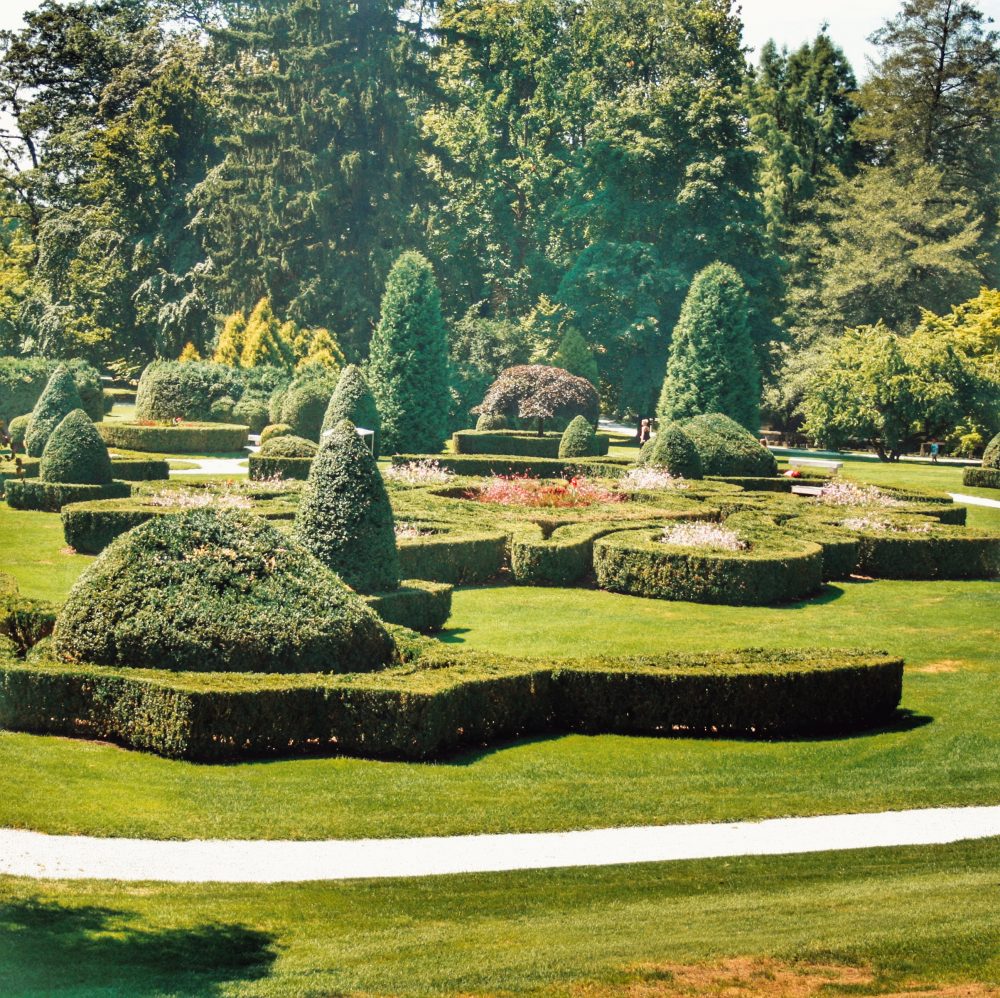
981,478
453,555
140,469
515,443
50,497
485,465
191,438
262,467
417,604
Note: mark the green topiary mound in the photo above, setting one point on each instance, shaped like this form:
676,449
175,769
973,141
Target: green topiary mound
578,439
991,456
75,453
17,430
274,430
725,448
287,446
345,518
352,400
217,591
304,404
674,450
56,402
489,421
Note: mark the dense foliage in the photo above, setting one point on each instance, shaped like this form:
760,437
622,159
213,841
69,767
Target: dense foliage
674,450
22,380
58,399
536,393
726,448
578,439
287,445
352,400
75,453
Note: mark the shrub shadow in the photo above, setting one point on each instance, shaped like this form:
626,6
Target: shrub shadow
48,948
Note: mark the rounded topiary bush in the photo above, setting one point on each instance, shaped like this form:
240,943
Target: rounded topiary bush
726,448
304,405
59,398
490,421
221,410
674,450
75,453
17,429
287,445
352,400
217,591
252,412
344,516
274,430
578,439
991,456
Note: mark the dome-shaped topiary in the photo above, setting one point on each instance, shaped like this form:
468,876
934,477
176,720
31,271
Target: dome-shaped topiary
674,450
274,430
217,591
59,398
75,453
726,448
304,404
344,517
352,400
991,456
17,429
578,439
251,412
492,421
287,445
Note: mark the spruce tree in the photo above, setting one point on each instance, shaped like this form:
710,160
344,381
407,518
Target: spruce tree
575,356
318,348
408,364
58,399
264,341
712,366
75,453
229,347
345,518
352,400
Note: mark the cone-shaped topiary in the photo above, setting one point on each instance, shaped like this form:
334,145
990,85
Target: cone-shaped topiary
674,450
75,453
352,400
56,402
725,448
712,366
991,456
287,445
344,517
578,439
217,591
408,361
576,357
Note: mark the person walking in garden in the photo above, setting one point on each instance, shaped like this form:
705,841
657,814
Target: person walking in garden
935,448
644,432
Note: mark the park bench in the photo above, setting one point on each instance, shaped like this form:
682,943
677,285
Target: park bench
814,462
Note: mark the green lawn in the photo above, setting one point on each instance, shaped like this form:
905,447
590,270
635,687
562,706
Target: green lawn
906,916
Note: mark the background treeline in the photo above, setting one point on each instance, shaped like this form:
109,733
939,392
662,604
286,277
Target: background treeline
568,167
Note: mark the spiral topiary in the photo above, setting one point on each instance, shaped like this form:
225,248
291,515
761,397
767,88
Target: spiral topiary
75,453
674,450
578,439
59,398
344,517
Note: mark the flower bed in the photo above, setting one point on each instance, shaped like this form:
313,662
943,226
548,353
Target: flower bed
522,490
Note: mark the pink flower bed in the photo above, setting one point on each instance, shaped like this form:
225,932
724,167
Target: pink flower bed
523,490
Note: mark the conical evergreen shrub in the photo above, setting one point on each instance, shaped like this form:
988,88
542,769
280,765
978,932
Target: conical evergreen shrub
344,517
674,450
408,363
264,339
712,367
75,453
578,439
352,400
59,398
991,456
229,347
576,357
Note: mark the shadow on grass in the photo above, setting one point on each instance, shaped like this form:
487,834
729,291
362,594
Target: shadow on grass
452,635
46,947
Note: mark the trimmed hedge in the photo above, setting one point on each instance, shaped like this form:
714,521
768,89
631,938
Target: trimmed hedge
579,440
943,553
726,448
674,450
176,438
459,558
263,467
448,702
777,568
50,497
517,443
288,445
417,604
75,453
59,398
484,465
981,478
140,469
274,430
8,470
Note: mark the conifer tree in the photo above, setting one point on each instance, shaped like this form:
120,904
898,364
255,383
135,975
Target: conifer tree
229,348
575,356
712,367
352,400
318,348
408,365
76,453
58,399
189,353
263,339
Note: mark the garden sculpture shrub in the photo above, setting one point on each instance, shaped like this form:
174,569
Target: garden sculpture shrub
23,379
303,405
75,453
489,421
991,456
274,430
216,591
56,402
253,412
344,516
17,429
352,400
727,449
578,439
287,445
537,393
674,450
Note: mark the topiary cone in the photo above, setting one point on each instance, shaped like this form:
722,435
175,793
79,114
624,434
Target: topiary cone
352,400
75,453
345,518
58,399
578,439
674,450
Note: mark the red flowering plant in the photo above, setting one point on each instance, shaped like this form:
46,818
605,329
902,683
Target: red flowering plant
523,490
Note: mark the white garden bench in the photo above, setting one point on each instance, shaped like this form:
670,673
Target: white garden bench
815,462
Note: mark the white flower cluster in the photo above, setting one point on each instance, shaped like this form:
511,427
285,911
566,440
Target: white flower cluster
871,523
426,472
840,493
650,479
703,535
405,529
201,499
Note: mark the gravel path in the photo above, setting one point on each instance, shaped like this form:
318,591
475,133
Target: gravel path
235,466
31,854
974,500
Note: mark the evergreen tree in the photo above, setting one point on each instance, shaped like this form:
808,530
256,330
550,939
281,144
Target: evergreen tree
674,450
229,347
189,353
319,348
75,453
711,367
58,399
352,400
264,340
578,439
574,356
408,365
344,517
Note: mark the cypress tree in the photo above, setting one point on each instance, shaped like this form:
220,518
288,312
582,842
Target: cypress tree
575,356
230,345
578,439
58,399
712,366
75,453
352,400
345,518
408,365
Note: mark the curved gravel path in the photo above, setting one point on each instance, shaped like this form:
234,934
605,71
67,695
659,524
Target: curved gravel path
31,854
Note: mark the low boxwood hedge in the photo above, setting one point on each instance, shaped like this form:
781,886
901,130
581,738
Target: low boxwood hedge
484,465
418,604
519,443
9,469
140,469
175,438
263,467
445,702
50,497
981,478
458,557
778,567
